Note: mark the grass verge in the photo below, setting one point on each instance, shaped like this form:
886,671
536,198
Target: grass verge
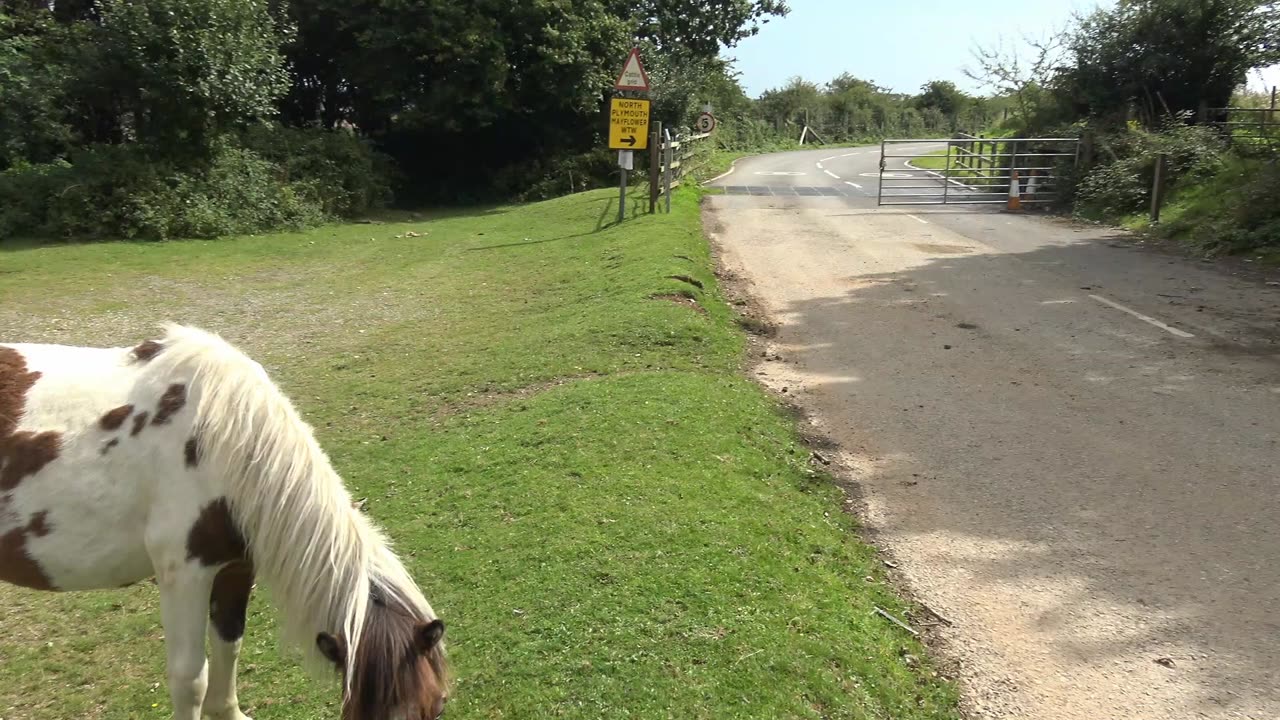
719,163
1231,211
936,160
546,413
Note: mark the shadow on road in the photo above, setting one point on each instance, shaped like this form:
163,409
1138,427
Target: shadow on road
1126,497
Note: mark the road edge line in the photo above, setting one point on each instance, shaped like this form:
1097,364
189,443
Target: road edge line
732,166
939,176
1145,318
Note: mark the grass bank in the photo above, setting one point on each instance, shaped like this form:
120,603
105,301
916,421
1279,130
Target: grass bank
1233,211
547,415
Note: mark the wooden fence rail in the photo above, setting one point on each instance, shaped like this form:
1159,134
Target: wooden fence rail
671,160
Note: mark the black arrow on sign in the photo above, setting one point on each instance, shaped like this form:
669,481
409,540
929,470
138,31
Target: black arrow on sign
630,140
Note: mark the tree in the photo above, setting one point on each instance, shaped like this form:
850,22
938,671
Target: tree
681,88
695,28
1167,56
800,101
186,70
943,96
33,80
1007,74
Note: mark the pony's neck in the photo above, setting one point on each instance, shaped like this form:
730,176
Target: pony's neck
319,557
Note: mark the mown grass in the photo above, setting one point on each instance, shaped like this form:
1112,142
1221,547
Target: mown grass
719,163
936,160
953,168
613,522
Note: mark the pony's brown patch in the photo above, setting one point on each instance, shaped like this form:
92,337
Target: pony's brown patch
398,668
191,451
39,525
106,447
139,422
214,539
147,350
115,418
16,564
173,399
229,600
25,454
21,453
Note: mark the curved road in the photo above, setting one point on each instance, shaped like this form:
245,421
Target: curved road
1069,443
852,173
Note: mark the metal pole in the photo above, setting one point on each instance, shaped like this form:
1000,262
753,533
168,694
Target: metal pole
880,180
946,175
666,170
622,189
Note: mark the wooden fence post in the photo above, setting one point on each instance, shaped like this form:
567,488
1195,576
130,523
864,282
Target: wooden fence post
655,160
1157,188
666,167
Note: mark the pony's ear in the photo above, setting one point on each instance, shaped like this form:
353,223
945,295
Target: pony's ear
334,650
427,635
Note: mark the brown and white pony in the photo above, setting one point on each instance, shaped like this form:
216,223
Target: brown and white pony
180,459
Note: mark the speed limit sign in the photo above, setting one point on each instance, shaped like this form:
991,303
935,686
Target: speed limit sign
706,123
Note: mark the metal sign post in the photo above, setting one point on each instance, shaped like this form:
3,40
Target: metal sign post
628,122
624,164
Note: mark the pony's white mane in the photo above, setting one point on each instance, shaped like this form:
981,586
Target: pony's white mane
318,556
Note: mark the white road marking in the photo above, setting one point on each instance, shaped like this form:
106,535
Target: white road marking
831,174
833,157
732,166
851,154
846,182
913,217
819,166
1144,318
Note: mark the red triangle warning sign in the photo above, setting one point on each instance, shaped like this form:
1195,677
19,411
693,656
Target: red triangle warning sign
633,76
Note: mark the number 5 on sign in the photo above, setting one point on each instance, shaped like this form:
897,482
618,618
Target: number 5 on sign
628,124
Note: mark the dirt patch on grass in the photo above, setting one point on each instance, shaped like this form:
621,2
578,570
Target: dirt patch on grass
681,300
686,279
486,399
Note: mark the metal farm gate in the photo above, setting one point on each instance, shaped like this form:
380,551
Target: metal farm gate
974,170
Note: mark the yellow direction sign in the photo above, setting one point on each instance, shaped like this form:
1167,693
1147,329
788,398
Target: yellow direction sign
628,124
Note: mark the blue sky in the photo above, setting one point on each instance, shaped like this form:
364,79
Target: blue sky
901,44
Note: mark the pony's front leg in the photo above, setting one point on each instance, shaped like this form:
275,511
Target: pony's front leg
184,606
228,605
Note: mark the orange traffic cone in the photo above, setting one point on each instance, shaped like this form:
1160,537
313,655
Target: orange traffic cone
1015,198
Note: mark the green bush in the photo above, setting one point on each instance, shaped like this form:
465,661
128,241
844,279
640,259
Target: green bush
272,179
563,175
1257,211
1235,211
100,191
1124,185
347,176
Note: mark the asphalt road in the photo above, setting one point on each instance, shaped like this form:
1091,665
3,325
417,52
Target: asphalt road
1069,443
